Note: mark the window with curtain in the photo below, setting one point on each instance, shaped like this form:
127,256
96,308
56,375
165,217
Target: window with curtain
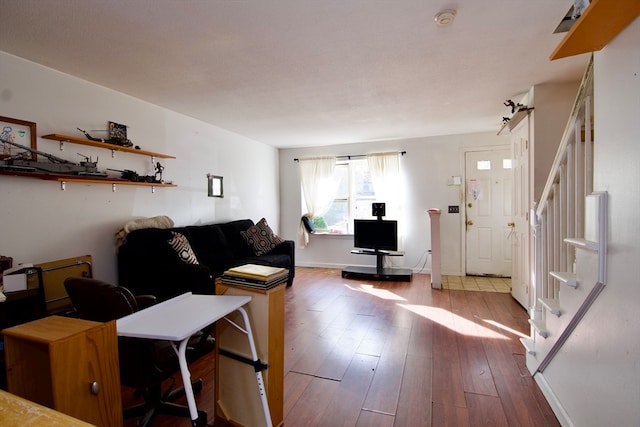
354,185
318,188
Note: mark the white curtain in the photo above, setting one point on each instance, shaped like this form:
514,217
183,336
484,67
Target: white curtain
385,175
318,189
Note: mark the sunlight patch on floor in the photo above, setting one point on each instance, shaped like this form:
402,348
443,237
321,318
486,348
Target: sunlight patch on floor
452,321
505,328
376,292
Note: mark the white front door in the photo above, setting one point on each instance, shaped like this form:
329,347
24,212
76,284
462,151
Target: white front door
488,212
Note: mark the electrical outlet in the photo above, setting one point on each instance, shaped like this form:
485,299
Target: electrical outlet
454,209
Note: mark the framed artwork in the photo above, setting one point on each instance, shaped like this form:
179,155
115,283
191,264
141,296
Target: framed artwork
215,188
116,130
16,131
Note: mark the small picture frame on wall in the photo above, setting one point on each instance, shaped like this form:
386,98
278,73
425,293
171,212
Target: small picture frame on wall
16,131
215,188
117,131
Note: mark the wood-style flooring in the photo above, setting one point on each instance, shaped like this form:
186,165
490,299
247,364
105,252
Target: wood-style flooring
367,353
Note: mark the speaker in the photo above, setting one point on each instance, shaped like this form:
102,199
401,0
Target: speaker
378,209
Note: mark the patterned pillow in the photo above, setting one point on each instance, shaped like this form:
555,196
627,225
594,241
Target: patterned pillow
181,245
261,238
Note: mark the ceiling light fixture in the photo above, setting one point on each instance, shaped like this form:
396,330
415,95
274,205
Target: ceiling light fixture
445,17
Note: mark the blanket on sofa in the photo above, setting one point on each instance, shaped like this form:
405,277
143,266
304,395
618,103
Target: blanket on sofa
161,221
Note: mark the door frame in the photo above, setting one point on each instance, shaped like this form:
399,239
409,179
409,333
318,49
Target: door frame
463,196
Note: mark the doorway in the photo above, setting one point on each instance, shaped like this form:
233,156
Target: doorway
488,212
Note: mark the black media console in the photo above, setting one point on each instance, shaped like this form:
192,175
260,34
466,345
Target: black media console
377,272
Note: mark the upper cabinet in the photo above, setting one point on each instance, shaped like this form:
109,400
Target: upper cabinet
599,24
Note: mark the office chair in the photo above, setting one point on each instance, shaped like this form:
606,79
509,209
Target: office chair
144,364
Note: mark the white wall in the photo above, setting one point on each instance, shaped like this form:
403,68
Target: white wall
39,222
552,104
596,376
428,164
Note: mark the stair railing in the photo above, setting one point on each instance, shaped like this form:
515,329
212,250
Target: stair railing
559,221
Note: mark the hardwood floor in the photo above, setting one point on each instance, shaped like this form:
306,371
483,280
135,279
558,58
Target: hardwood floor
397,354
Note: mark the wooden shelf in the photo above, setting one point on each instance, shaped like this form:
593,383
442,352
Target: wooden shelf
92,179
113,147
601,22
111,181
86,180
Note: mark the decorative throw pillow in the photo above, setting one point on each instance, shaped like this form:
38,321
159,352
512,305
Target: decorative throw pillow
261,238
181,245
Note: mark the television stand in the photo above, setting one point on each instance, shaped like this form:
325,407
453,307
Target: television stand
377,272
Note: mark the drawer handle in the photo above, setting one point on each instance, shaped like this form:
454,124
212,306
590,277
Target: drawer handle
95,388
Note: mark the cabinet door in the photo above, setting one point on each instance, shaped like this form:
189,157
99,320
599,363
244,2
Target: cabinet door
80,363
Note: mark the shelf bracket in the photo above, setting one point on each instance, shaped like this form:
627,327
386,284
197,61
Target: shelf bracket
113,154
153,189
113,188
63,185
62,145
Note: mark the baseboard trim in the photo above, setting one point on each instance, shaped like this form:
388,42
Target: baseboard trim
556,406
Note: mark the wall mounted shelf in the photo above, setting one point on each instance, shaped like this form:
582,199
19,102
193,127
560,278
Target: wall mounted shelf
600,23
64,179
112,147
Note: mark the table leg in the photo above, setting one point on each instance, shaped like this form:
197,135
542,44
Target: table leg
186,380
254,357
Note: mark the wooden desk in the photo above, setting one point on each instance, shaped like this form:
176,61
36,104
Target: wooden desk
18,412
179,318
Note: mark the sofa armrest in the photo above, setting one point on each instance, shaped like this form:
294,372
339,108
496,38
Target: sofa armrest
288,247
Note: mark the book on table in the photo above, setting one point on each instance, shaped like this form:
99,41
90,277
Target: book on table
260,273
255,276
250,283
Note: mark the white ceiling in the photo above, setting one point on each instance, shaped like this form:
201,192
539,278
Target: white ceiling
295,73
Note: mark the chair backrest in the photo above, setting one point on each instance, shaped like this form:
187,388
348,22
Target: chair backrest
100,301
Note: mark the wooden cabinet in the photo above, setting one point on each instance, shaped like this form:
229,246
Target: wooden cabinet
67,364
600,23
236,393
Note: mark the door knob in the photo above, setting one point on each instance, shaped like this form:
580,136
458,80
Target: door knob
95,388
511,224
469,222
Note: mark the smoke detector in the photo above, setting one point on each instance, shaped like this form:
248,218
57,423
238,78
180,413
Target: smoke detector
445,17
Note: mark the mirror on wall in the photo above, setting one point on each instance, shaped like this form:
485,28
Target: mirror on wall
215,188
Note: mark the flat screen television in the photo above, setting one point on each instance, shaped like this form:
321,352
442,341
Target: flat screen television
375,234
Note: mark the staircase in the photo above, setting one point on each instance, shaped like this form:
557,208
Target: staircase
570,240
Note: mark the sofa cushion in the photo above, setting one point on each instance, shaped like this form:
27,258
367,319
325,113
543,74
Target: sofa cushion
237,244
211,247
261,238
183,249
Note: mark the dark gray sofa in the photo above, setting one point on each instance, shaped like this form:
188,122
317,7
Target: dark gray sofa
148,264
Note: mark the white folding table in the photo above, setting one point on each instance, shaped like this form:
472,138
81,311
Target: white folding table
179,318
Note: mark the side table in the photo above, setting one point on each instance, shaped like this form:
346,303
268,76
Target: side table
234,377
